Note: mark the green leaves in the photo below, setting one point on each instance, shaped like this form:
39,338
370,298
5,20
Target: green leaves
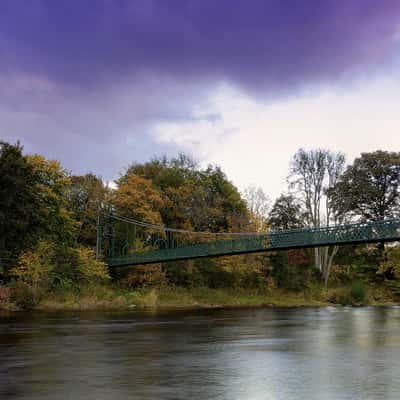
19,201
192,198
370,187
32,203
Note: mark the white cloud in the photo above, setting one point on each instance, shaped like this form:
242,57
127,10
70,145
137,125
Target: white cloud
253,141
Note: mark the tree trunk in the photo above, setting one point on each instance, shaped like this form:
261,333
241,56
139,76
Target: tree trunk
328,260
317,258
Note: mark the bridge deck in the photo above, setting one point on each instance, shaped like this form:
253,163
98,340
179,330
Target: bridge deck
378,231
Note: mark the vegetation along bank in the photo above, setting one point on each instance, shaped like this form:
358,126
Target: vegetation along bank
48,222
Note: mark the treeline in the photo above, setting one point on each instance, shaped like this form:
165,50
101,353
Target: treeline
48,221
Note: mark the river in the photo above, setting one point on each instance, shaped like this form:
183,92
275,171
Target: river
264,353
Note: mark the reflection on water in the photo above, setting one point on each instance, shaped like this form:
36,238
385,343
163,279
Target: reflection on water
327,353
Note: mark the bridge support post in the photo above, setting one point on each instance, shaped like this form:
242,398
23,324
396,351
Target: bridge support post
99,235
110,236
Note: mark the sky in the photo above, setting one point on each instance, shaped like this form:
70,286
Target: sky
99,84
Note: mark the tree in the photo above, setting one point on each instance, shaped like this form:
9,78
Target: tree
85,196
313,174
178,183
369,189
258,204
32,203
227,211
196,199
286,213
136,198
18,202
193,199
52,218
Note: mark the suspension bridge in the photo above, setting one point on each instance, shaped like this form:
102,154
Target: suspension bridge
123,241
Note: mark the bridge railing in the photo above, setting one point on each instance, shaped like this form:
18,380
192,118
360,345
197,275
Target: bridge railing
299,238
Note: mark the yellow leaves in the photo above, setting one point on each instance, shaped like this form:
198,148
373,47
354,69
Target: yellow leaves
144,276
35,266
49,187
89,268
136,197
50,172
51,180
44,265
391,262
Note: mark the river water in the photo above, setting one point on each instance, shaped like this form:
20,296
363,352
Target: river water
265,353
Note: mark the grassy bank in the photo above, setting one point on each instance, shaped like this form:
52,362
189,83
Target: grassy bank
107,297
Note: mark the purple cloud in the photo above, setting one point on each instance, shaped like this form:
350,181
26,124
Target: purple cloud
91,74
274,43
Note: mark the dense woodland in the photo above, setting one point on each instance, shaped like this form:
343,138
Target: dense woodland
48,220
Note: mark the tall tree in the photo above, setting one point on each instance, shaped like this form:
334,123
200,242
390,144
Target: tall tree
178,183
286,213
136,197
312,175
194,198
227,209
258,204
52,216
369,188
32,204
85,196
18,201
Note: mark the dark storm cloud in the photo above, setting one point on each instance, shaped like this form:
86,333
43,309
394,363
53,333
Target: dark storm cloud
81,76
269,43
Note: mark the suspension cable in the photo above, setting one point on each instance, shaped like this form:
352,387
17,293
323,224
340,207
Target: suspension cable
166,229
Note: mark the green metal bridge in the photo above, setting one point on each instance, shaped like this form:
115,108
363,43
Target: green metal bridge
162,248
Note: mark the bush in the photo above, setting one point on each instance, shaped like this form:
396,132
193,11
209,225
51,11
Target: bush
358,292
355,294
48,266
4,294
184,274
390,266
341,274
252,280
24,295
213,274
76,266
344,299
217,278
144,276
34,267
88,269
287,276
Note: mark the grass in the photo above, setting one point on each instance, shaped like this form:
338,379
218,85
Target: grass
108,297
100,297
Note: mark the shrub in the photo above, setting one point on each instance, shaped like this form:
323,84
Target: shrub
341,274
88,268
390,266
217,278
63,266
287,276
252,280
344,299
216,274
34,267
358,292
144,276
184,274
4,294
24,295
76,266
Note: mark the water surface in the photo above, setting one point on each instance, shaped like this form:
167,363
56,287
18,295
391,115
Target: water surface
306,353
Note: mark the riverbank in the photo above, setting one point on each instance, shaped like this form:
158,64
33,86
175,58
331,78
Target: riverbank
97,297
100,297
